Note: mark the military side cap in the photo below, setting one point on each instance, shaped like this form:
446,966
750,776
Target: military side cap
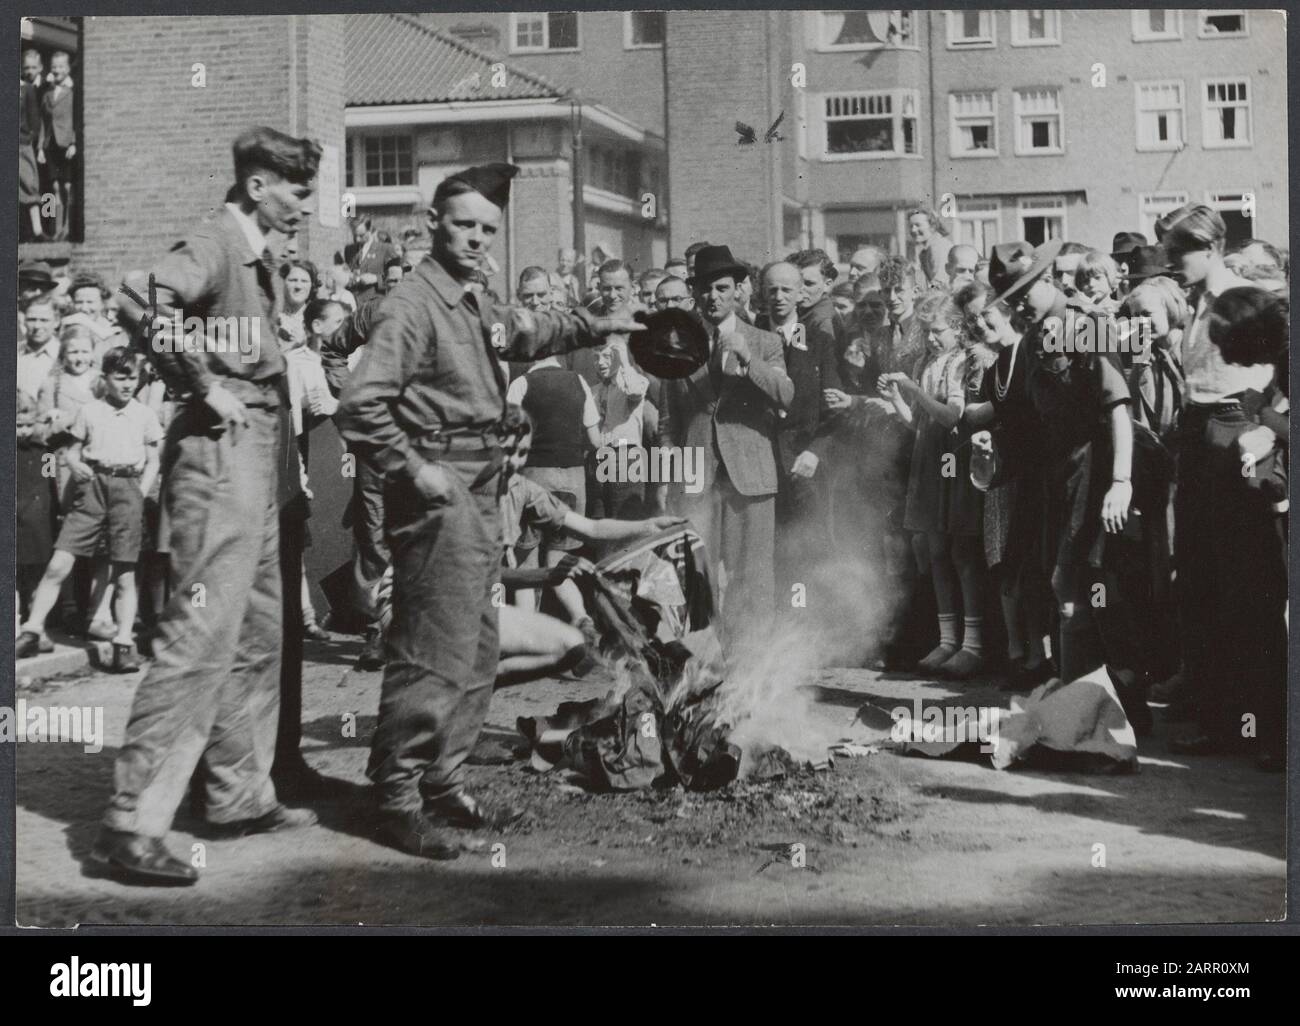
492,181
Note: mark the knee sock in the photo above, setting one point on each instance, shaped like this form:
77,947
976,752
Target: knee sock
972,639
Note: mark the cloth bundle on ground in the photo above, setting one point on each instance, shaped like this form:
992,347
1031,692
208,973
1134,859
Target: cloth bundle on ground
653,605
1075,727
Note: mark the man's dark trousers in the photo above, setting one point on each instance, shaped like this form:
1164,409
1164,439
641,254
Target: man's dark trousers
442,647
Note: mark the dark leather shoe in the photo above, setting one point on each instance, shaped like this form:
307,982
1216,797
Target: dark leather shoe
124,660
414,833
133,859
1194,744
279,818
372,652
462,810
27,645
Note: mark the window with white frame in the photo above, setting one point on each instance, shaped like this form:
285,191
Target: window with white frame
1225,113
865,30
970,29
1042,218
1160,109
976,223
1156,24
973,124
1214,24
643,30
388,160
1238,212
875,124
1035,28
1039,124
1154,205
540,31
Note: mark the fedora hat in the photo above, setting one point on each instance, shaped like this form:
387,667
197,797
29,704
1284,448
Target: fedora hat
1143,262
1014,266
674,345
713,262
1125,242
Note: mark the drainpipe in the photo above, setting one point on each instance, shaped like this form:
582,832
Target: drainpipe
579,203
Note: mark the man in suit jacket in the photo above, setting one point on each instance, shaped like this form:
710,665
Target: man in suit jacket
726,412
804,433
57,148
367,257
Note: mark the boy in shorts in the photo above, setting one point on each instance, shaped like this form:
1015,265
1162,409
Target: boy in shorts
114,460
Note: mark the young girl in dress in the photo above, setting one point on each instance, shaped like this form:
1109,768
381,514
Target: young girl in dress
943,509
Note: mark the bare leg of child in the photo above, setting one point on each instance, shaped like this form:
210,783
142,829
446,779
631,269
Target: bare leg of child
47,592
101,601
127,601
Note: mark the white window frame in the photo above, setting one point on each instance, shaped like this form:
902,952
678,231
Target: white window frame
1214,199
1042,206
628,43
1020,28
979,210
1208,116
1151,206
1139,110
897,96
1143,34
363,179
1019,115
982,42
546,32
956,121
1202,25
822,46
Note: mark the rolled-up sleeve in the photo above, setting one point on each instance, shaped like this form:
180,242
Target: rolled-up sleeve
531,336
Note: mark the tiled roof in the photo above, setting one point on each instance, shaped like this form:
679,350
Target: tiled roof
393,58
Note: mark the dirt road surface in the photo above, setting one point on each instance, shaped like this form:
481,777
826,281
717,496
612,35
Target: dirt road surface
885,839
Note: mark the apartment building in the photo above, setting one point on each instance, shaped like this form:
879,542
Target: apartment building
1079,124
765,129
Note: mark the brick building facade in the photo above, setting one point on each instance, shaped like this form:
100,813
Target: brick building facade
149,177
998,118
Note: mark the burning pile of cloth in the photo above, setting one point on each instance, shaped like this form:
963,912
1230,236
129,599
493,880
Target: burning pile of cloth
664,722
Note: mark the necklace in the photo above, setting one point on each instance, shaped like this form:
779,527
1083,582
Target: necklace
1000,387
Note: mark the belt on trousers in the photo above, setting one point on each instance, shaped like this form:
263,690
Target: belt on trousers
115,470
460,448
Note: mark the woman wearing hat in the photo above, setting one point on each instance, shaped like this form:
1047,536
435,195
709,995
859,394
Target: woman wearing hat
1013,503
1082,401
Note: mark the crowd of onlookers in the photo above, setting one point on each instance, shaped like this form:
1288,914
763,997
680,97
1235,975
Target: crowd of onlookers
1049,459
48,146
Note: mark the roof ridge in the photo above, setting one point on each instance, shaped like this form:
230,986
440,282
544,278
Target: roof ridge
464,47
